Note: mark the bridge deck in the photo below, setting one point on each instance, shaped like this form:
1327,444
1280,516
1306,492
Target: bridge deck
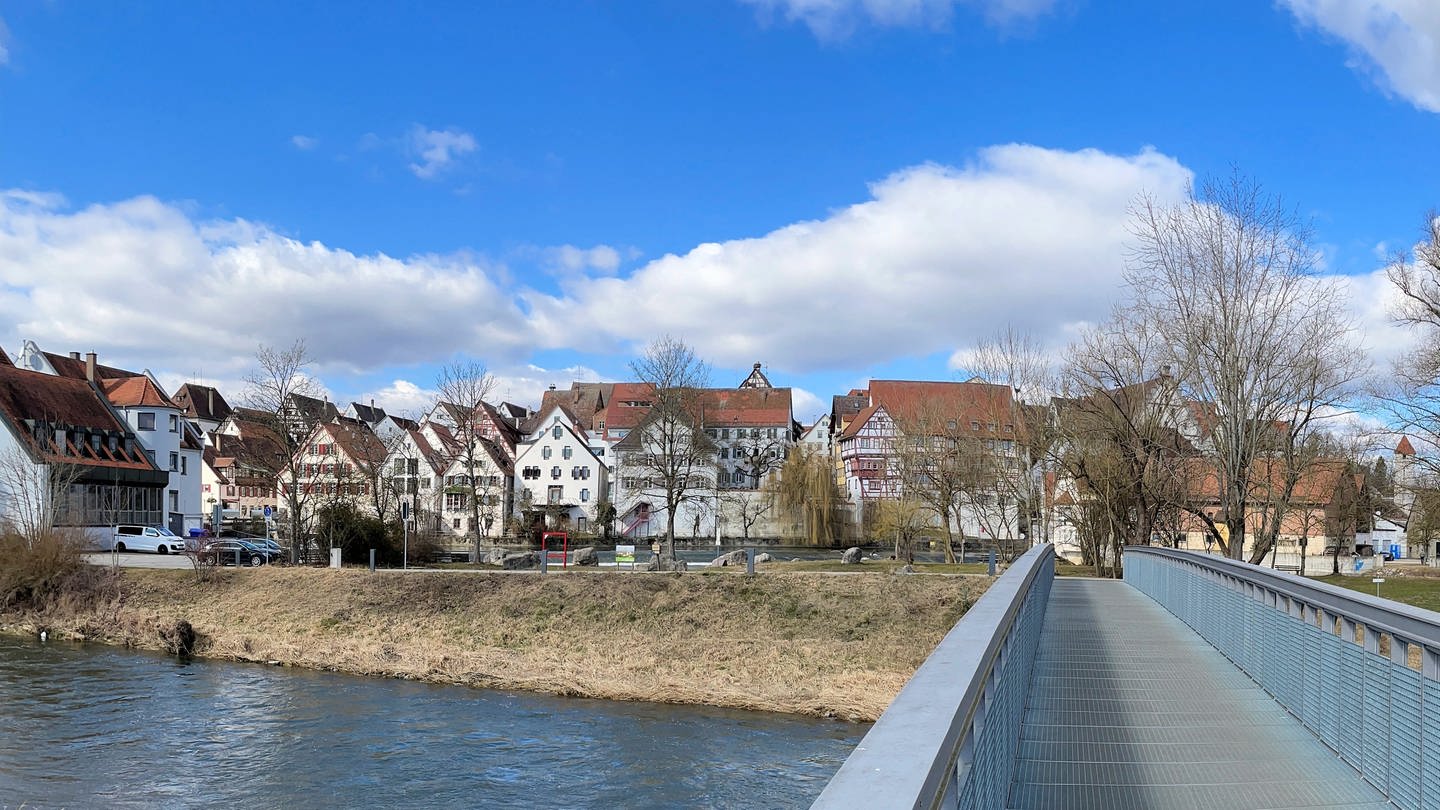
1129,708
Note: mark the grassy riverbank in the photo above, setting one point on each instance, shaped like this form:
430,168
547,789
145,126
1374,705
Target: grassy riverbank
809,643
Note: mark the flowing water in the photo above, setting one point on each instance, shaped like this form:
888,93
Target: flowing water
88,726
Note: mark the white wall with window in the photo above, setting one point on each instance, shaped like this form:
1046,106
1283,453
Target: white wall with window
557,467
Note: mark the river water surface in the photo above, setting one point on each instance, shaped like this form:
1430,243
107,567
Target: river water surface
88,726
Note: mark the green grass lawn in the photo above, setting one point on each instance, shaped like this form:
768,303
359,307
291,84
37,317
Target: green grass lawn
1422,592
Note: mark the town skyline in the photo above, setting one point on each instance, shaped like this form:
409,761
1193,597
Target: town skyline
840,191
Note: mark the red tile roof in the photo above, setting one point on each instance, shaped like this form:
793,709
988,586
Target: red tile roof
751,407
131,392
1404,448
67,366
909,400
38,405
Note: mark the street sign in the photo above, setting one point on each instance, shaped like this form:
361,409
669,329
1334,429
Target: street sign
1378,580
404,510
269,512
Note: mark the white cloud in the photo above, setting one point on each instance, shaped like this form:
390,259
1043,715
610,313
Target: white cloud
436,150
938,257
834,19
1397,39
304,142
806,406
569,259
400,398
142,283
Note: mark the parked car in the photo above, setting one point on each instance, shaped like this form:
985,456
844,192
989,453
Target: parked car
148,538
235,552
275,549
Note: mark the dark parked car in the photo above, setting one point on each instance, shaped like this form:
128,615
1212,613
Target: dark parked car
235,552
276,552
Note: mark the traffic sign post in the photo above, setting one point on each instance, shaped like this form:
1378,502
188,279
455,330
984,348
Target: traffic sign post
405,543
1377,581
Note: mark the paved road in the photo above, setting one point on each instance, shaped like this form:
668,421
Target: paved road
138,559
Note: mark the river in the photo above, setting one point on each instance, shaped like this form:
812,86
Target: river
90,726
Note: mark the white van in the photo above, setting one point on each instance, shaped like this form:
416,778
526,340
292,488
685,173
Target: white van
148,538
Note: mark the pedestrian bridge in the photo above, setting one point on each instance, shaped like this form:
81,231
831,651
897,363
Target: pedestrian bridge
1197,682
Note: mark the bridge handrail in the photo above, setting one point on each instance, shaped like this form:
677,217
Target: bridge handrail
1320,650
949,738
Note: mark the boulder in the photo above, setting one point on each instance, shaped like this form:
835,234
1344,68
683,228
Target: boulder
736,557
584,556
851,556
495,556
763,557
523,560
659,563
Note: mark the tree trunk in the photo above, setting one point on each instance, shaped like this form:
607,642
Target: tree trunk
950,541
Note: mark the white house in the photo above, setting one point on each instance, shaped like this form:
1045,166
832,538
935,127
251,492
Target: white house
557,472
173,444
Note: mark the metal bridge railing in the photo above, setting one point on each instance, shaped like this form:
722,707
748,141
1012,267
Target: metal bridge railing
949,739
1361,673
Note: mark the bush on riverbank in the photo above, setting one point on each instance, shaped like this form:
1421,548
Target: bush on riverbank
44,572
807,643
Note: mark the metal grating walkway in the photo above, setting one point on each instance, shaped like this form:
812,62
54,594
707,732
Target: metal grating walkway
1129,708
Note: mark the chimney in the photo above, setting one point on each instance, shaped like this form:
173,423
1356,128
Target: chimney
210,402
90,366
552,386
74,355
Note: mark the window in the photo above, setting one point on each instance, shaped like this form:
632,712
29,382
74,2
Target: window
530,472
974,425
770,434
951,424
723,478
581,523
584,497
174,501
554,472
567,452
174,423
184,466
724,452
456,501
598,451
1009,428
555,494
230,492
455,523
724,433
557,431
545,452
174,462
145,420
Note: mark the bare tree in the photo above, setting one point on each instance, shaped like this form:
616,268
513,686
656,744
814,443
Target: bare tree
271,389
34,497
750,506
1226,278
467,384
943,467
1411,395
670,453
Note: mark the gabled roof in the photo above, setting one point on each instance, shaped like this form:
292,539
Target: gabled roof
5,358
356,440
756,379
201,402
909,401
368,413
134,392
318,410
750,407
37,406
73,367
1404,448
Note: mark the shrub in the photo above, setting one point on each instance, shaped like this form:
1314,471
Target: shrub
33,573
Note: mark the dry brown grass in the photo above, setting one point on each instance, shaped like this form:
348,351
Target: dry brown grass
818,644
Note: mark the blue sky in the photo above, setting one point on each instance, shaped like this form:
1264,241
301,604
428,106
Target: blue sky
839,189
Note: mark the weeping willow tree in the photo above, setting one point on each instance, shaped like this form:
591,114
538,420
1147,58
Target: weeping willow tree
806,494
